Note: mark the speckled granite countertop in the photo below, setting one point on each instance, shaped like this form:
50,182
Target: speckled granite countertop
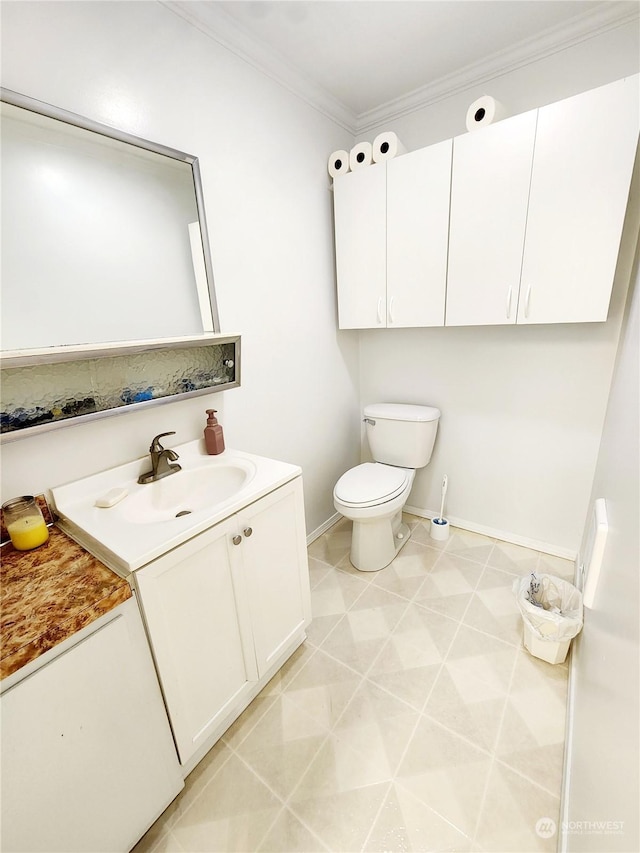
48,594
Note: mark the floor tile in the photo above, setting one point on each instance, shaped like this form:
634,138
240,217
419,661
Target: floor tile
335,593
233,813
477,655
473,546
558,566
514,558
493,607
374,718
323,688
288,835
446,773
407,824
283,743
513,809
449,586
362,632
333,545
467,705
317,571
342,819
411,658
533,731
405,574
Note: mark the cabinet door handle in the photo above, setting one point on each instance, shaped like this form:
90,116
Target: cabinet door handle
248,531
391,309
526,302
237,539
509,295
380,310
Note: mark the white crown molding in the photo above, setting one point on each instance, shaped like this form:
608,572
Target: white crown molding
210,19
609,16
222,28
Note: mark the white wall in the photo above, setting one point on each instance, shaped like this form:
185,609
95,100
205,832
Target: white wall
263,154
603,760
522,407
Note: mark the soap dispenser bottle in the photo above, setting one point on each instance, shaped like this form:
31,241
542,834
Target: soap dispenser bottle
213,435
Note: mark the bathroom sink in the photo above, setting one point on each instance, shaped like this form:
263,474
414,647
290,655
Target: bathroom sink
146,520
184,493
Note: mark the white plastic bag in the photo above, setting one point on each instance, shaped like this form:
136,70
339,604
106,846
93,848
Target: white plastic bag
556,614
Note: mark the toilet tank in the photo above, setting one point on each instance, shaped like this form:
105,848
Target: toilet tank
401,434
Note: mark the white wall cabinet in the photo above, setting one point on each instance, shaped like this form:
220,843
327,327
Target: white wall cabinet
223,610
537,207
582,169
391,227
88,762
489,194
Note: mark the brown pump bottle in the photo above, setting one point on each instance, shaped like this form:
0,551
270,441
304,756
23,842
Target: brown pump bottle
213,435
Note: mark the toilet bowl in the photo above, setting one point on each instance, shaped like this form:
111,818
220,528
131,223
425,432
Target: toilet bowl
373,494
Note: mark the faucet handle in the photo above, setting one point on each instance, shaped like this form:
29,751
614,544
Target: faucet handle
155,444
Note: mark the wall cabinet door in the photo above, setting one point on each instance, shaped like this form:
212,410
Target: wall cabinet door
200,633
276,577
359,200
418,192
489,195
582,168
222,608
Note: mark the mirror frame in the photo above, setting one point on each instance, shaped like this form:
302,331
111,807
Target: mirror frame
35,356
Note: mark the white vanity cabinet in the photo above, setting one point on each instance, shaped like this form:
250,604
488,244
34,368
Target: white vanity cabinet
88,762
223,612
582,169
391,232
489,196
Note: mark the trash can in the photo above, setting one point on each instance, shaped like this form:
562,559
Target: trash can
551,611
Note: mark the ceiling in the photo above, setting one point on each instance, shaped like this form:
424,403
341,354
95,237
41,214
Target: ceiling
362,60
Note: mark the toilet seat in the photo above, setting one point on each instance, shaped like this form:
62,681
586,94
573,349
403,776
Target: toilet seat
371,483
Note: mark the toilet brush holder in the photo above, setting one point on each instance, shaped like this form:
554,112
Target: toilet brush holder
439,528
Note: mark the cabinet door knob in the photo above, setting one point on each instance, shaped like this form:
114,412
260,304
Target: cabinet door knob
237,539
248,531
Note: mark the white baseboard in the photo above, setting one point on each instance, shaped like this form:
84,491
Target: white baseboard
311,537
503,535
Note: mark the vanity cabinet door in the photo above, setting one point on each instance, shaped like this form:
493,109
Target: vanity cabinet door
359,200
200,633
418,191
489,196
276,575
582,168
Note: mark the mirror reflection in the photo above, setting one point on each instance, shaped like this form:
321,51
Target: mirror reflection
103,235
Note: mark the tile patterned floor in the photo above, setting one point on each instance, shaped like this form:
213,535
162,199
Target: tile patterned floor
412,719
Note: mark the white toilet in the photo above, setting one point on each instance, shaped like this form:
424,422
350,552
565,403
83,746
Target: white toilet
372,495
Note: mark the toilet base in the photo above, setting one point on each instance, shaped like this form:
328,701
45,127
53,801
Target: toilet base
376,542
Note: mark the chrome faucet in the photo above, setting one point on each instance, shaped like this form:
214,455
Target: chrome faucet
161,460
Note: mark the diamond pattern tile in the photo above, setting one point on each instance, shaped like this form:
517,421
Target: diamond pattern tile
412,718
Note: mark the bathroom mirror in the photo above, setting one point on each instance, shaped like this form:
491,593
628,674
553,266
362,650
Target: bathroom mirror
104,238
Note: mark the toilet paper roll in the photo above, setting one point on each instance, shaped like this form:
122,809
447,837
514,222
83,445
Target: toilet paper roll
360,155
338,163
486,110
386,146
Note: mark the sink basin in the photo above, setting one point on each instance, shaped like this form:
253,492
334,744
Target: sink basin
153,518
184,493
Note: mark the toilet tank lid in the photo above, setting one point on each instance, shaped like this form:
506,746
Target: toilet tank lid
401,412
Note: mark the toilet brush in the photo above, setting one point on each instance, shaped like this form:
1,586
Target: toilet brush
440,525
